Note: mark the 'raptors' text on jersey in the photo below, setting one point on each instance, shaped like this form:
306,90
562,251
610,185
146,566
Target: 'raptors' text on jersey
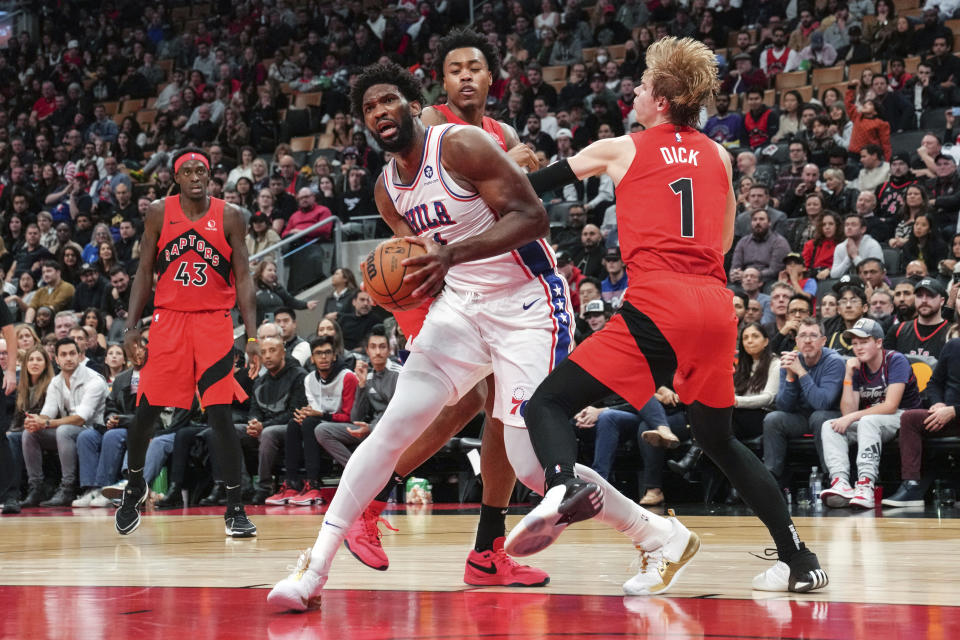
678,176
193,260
435,206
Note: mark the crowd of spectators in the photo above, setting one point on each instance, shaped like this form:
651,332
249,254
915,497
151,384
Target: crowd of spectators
847,196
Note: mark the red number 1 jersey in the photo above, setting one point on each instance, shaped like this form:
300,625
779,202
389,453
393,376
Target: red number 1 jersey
671,204
193,260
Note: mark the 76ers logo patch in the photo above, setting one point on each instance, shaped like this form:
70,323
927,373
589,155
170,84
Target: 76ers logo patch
428,171
519,401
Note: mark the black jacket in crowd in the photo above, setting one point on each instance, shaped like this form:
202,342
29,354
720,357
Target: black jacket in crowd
275,397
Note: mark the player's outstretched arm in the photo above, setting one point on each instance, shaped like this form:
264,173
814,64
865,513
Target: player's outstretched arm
143,281
612,156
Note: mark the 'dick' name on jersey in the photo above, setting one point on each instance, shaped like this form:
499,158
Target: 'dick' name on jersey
679,155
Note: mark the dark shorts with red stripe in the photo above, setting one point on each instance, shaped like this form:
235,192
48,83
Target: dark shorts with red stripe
190,352
676,330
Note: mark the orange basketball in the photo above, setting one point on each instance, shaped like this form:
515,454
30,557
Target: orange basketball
383,275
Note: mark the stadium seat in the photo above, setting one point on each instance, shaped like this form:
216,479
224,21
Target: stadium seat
854,71
790,80
827,75
892,259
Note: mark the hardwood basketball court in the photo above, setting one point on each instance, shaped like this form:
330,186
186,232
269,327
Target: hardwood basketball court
67,574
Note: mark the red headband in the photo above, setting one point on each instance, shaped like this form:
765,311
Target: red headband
187,157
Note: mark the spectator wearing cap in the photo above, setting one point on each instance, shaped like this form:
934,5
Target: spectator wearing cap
927,333
600,93
743,77
91,290
851,308
878,386
891,194
572,275
763,249
857,247
595,314
610,31
810,385
615,284
564,138
818,53
794,274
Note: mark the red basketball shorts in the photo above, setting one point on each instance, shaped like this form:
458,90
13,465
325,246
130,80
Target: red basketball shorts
190,352
411,320
677,330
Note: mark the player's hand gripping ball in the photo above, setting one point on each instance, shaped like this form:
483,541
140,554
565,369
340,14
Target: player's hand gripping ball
383,274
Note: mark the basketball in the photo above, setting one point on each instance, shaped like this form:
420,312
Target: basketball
383,274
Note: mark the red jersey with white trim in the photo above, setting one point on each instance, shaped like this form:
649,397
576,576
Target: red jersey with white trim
671,204
434,205
491,126
193,260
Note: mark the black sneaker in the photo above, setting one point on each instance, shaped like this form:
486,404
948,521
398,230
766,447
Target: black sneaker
563,505
260,496
128,515
238,525
34,497
910,494
173,498
64,497
11,506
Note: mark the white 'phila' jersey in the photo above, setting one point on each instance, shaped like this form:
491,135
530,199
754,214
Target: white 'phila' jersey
436,206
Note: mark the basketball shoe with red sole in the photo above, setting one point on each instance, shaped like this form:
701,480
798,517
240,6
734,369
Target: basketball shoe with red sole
283,496
494,568
363,537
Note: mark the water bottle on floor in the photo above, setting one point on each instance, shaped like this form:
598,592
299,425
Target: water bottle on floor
815,485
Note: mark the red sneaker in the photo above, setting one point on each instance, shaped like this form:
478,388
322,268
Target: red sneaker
496,569
363,538
282,496
310,495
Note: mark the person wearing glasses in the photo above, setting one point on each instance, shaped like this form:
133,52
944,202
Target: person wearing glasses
798,308
811,379
851,306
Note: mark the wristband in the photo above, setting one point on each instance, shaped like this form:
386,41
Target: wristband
252,340
847,383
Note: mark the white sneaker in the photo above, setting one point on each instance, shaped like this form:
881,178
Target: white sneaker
660,567
807,575
838,494
300,590
114,491
85,499
100,501
563,505
864,496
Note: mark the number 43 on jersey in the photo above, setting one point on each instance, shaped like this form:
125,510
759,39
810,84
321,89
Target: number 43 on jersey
192,274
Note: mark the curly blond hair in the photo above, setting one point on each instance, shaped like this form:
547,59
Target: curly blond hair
684,71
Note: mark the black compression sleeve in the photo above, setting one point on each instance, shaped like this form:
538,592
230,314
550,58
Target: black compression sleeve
553,177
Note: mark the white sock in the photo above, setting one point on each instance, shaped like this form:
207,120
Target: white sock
371,465
644,528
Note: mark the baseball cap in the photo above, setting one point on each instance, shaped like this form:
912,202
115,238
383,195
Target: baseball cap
816,41
902,156
793,257
86,267
932,285
563,258
865,328
848,280
945,157
742,56
351,151
612,254
594,306
73,44
564,133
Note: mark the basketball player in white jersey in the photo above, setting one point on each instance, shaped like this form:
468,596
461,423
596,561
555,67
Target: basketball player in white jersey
504,309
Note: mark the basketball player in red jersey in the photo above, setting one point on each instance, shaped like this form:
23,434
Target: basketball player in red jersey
676,325
197,245
466,60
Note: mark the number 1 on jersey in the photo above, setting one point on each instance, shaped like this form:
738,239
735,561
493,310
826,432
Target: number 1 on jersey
684,188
